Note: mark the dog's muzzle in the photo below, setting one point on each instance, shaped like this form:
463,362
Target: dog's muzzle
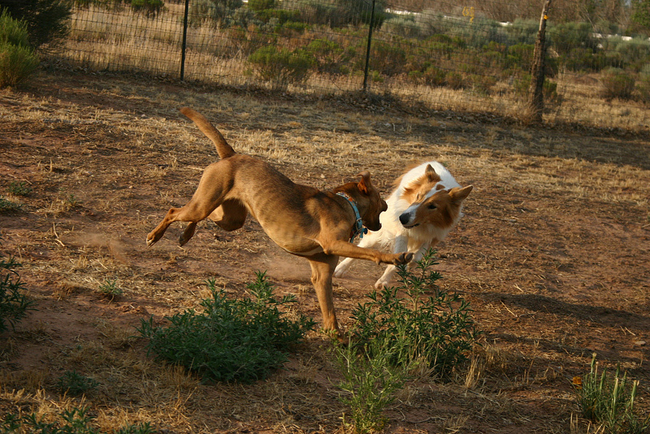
405,220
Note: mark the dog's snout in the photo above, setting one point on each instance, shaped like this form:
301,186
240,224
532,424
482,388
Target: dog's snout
404,218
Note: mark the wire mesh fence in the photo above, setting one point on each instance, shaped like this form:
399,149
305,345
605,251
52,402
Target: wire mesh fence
445,54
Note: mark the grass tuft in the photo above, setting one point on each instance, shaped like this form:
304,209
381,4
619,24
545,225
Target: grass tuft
610,401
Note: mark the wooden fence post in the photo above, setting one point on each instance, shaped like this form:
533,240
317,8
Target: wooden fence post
536,90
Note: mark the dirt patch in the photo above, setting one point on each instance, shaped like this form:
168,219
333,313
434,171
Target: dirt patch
552,254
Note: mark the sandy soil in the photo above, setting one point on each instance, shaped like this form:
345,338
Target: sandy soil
552,253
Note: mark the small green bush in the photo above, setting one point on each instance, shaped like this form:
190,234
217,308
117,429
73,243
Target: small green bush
17,59
392,337
370,382
74,421
150,8
13,303
643,85
8,207
521,87
617,83
232,340
110,289
438,329
75,384
223,12
281,67
46,20
261,5
610,401
329,56
20,188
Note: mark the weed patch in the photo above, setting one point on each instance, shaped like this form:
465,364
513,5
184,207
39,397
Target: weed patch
232,340
75,384
13,303
75,421
438,329
393,336
610,401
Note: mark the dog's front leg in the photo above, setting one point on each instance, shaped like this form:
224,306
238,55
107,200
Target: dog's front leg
400,246
322,268
369,241
344,248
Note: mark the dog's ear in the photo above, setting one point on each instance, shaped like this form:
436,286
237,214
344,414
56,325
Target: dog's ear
365,185
430,174
460,194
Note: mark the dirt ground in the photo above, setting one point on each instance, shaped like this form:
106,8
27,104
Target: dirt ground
552,254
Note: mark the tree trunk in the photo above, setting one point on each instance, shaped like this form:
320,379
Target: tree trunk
536,102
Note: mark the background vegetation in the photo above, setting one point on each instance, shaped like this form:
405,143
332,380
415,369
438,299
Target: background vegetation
476,57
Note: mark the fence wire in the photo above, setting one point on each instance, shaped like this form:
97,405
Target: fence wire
451,57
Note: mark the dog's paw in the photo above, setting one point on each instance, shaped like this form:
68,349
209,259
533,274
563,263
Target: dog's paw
403,258
380,284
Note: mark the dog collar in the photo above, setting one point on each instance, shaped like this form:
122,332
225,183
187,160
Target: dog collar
358,224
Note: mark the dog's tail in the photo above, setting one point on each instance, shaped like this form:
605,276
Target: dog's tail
223,148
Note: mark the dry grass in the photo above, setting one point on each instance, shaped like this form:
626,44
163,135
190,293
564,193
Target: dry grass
551,254
121,40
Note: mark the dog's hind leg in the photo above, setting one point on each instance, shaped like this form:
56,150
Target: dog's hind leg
322,267
230,216
208,196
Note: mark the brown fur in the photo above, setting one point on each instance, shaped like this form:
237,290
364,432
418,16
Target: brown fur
302,220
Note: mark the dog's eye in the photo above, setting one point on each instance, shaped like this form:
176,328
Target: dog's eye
432,206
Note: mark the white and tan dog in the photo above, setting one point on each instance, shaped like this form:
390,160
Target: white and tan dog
425,205
304,221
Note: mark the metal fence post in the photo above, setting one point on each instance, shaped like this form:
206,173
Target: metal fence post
184,43
365,72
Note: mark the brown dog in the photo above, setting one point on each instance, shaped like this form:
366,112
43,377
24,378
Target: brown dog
302,220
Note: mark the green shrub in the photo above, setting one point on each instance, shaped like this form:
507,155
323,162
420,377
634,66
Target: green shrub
150,8
261,5
370,381
431,76
20,188
46,20
393,337
16,64
610,401
643,85
74,421
110,290
522,31
329,56
8,207
437,330
17,59
13,303
387,58
281,67
617,83
75,384
232,340
223,12
521,86
565,37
